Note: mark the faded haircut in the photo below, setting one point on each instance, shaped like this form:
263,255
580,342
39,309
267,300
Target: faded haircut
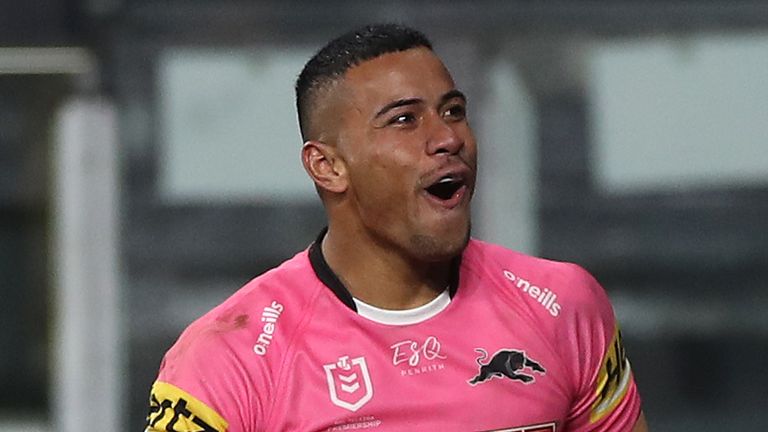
348,50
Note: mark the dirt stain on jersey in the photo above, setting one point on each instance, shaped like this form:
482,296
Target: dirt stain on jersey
230,322
241,320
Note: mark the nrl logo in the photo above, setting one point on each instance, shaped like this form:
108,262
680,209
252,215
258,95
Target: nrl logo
349,383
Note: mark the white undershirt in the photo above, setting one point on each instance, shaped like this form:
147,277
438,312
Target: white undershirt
404,317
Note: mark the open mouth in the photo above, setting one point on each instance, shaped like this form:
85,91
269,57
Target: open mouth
445,188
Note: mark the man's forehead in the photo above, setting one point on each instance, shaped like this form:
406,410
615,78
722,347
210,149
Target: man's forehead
416,72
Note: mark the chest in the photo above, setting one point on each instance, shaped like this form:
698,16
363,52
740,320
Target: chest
481,372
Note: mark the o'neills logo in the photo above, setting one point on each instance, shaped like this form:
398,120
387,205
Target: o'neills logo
543,296
269,317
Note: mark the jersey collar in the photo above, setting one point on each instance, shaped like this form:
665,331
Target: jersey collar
329,278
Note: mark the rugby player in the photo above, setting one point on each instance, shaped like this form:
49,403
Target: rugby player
394,318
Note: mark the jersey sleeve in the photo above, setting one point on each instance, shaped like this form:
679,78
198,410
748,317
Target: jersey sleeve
171,408
606,394
203,386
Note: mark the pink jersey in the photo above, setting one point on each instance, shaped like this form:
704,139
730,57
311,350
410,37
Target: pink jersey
515,344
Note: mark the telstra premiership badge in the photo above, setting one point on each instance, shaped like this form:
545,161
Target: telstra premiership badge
349,383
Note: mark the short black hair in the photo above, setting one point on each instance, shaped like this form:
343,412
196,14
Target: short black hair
344,52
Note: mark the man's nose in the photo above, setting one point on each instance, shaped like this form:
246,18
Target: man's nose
444,137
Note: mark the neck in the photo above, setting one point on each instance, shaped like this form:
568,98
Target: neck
383,276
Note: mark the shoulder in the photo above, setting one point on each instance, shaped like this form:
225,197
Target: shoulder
483,253
228,358
478,250
561,287
257,308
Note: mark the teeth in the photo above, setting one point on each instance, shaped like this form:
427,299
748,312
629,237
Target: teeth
445,180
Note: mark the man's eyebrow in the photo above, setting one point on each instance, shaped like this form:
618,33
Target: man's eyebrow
452,95
395,104
413,101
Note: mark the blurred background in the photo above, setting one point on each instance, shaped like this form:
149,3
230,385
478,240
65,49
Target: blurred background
149,166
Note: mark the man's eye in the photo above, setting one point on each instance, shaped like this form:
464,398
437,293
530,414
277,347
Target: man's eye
456,112
403,119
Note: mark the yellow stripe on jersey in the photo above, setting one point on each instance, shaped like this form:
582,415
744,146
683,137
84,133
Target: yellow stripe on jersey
173,409
612,380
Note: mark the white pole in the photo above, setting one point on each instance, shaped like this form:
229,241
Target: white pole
88,360
507,192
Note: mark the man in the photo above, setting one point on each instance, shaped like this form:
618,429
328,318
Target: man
393,319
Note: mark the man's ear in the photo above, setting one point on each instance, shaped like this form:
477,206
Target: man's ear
324,166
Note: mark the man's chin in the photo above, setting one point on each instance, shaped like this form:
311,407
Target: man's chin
433,248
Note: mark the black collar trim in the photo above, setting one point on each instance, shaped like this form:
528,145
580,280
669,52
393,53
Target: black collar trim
329,278
326,275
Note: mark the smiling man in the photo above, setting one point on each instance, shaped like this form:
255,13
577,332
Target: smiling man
394,319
